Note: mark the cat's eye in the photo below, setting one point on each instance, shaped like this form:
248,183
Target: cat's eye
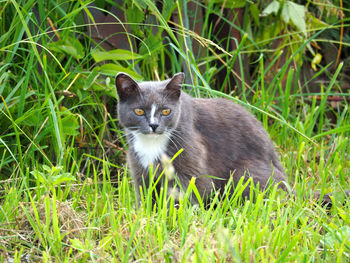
139,112
166,112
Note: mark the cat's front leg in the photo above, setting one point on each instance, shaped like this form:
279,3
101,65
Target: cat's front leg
149,183
198,187
137,178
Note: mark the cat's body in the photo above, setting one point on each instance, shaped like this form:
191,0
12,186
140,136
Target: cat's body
219,138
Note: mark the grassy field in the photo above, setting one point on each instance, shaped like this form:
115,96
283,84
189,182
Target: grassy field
65,191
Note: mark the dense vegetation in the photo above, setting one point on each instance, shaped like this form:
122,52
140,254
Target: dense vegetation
65,193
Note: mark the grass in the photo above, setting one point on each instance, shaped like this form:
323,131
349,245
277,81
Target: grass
65,191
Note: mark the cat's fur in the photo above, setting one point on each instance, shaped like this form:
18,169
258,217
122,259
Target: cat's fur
219,138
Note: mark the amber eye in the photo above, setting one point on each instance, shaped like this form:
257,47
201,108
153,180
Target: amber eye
139,112
166,112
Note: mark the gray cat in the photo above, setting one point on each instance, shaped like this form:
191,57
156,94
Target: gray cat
218,137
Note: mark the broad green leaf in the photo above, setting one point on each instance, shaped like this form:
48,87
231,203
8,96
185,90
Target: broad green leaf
295,13
150,47
69,46
70,122
292,13
113,70
77,244
91,78
142,4
106,242
32,117
135,16
255,13
107,88
52,176
70,125
49,169
168,8
116,54
273,7
315,23
40,177
60,179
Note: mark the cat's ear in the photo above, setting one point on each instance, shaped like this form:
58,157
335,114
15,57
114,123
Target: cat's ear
173,88
126,86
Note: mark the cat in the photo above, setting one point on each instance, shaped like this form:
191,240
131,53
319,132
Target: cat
220,139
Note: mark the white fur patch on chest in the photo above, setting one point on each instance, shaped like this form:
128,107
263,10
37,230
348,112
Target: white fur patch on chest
149,147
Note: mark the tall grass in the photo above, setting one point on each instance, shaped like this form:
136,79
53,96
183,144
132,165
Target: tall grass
66,194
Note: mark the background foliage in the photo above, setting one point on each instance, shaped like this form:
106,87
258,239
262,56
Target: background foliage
65,194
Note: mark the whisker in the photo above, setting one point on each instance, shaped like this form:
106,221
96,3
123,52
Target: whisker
131,136
177,137
172,140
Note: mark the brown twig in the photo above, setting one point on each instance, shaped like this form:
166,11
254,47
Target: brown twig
341,33
53,27
332,98
81,130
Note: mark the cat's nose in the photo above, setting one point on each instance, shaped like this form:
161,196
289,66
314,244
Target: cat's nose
154,126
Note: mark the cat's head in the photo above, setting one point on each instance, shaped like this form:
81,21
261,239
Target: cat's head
151,107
